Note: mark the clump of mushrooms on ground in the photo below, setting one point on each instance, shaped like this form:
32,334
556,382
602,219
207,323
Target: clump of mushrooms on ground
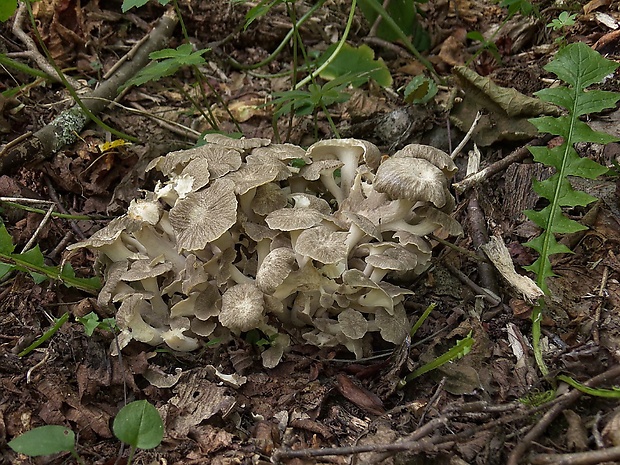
244,235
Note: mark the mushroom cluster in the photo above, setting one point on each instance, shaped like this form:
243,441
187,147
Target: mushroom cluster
301,245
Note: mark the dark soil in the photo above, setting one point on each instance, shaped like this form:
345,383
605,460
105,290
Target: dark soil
481,409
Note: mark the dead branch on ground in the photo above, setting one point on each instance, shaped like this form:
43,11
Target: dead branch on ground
64,129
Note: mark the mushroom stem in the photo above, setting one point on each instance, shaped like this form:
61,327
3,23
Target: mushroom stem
327,178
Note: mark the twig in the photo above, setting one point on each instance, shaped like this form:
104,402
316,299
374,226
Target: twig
462,144
599,306
480,236
499,166
486,294
54,196
375,24
171,126
63,130
62,245
33,52
461,250
567,399
416,442
579,458
38,365
42,224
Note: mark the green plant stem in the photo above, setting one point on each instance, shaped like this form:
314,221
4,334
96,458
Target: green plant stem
132,452
296,43
23,68
387,19
46,335
76,456
330,120
461,348
85,110
283,44
422,319
55,214
536,336
54,273
333,56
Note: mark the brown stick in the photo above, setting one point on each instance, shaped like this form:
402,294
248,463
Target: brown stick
567,399
516,156
64,129
579,458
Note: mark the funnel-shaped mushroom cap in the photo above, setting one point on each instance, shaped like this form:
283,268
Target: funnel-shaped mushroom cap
276,266
351,152
437,157
322,244
238,144
291,219
242,308
204,216
412,179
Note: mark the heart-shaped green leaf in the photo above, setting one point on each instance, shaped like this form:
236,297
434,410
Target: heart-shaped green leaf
139,425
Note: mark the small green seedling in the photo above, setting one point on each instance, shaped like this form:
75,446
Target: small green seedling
579,67
58,322
561,23
460,349
564,20
420,90
32,262
170,60
92,322
422,319
137,424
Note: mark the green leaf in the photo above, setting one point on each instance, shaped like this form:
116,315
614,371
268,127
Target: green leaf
6,241
559,224
460,349
44,440
139,425
568,197
172,61
5,269
596,392
420,90
7,8
580,66
128,4
261,9
403,13
90,322
351,61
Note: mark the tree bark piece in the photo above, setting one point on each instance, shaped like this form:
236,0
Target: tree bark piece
63,129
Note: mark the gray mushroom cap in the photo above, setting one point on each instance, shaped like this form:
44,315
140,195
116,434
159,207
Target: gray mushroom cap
276,266
437,157
204,216
242,308
412,179
322,244
238,144
291,219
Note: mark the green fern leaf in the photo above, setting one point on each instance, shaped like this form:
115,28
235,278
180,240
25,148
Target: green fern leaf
579,67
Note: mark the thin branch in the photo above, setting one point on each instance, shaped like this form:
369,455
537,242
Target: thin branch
499,166
567,399
64,129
